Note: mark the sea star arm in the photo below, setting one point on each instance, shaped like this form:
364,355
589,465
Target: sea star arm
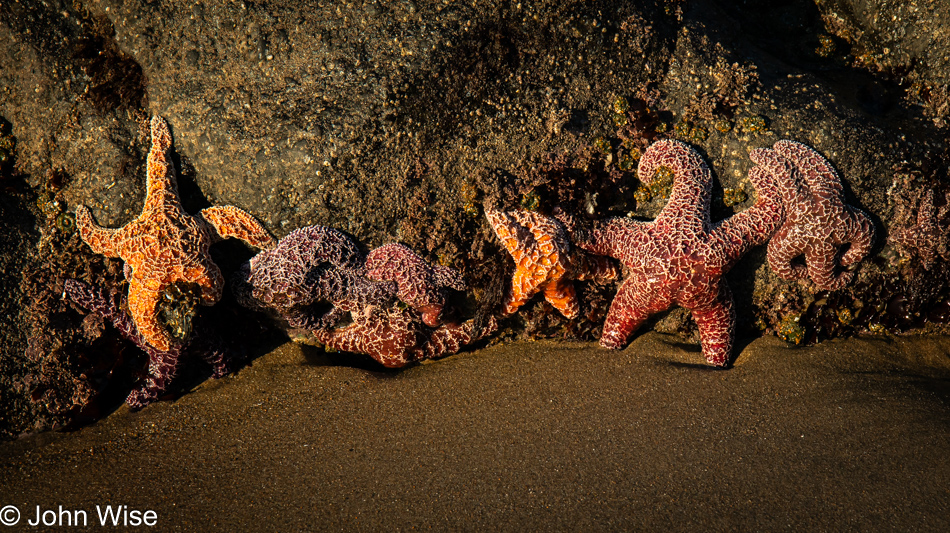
509,231
820,257
611,237
587,263
822,180
689,201
163,365
105,241
782,251
450,338
524,286
229,221
104,304
143,306
391,338
629,310
563,297
856,231
717,325
161,188
419,282
755,225
783,177
859,232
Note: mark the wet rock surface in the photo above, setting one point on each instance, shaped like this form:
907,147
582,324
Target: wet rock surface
398,121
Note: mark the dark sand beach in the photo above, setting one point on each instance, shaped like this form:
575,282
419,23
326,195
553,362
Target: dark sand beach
847,435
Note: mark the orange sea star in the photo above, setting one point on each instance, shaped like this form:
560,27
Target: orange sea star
165,245
545,260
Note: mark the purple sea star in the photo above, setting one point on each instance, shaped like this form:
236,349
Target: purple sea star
395,338
308,269
421,285
163,364
317,265
165,245
545,260
818,224
680,258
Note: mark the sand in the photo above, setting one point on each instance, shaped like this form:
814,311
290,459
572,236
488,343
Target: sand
845,435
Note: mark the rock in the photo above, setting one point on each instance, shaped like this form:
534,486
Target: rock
395,121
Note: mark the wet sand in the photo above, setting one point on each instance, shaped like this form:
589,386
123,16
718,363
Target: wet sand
846,435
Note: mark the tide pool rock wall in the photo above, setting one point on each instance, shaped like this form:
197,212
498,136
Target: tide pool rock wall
402,121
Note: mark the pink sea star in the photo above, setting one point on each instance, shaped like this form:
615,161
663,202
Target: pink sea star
165,245
421,285
680,258
395,338
818,224
163,364
545,260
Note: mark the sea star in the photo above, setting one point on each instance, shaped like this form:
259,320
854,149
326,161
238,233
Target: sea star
165,244
818,224
310,267
929,237
545,260
395,338
680,258
421,285
163,364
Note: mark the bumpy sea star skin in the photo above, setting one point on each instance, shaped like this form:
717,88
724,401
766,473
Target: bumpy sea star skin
545,260
309,267
165,244
163,364
817,221
421,285
680,258
929,238
395,338
316,265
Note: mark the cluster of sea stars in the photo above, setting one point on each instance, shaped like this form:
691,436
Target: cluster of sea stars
681,257
397,304
316,278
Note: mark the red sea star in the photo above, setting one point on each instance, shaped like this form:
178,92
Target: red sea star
680,258
545,260
165,244
817,224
